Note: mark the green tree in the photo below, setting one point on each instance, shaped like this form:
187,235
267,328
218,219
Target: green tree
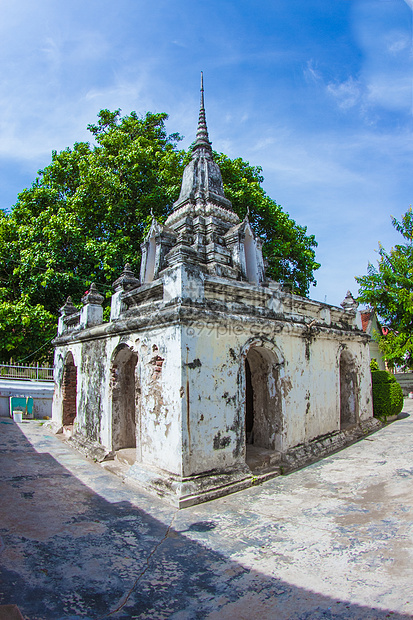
86,214
25,329
388,288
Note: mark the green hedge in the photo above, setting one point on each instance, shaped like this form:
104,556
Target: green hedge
387,395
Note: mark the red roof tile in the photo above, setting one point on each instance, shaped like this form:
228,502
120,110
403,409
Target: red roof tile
365,318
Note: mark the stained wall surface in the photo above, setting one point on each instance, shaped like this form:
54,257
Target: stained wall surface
179,386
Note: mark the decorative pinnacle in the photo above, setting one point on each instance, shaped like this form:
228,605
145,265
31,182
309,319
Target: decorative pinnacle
202,139
92,296
68,308
126,281
349,303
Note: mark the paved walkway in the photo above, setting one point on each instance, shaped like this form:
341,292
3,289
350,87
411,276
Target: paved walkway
334,540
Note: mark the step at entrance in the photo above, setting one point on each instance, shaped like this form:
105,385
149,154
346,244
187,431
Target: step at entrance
126,456
259,459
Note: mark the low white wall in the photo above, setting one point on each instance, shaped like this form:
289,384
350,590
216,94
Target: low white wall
40,391
405,379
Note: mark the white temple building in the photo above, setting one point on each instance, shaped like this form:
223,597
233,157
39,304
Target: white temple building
209,376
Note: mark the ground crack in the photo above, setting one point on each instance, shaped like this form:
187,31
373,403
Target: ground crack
142,573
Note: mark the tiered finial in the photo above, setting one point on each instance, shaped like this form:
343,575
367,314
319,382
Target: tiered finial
92,296
68,308
349,303
202,138
126,281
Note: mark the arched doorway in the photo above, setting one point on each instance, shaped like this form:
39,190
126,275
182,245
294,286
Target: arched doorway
348,391
263,406
249,404
69,391
124,399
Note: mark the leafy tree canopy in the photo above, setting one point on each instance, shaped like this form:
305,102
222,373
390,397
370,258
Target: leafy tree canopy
86,214
388,288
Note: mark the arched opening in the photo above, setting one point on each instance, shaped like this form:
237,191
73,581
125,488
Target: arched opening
348,391
69,391
150,259
251,265
249,404
263,408
124,399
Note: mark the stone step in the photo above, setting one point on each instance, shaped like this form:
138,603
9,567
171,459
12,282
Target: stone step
260,458
67,431
126,456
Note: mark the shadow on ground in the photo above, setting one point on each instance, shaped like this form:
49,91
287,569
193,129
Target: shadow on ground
66,552
403,415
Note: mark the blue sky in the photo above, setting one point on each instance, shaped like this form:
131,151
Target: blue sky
317,92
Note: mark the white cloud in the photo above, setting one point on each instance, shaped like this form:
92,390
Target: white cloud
398,42
263,143
347,94
311,72
178,43
391,92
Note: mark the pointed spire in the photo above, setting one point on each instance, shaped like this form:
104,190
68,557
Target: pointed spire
202,139
349,303
202,179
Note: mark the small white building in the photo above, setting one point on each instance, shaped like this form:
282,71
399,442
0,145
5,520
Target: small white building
209,374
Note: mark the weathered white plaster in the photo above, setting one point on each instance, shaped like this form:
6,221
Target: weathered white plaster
116,305
91,314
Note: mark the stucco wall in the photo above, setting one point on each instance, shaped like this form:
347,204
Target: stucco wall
160,415
308,383
190,377
158,380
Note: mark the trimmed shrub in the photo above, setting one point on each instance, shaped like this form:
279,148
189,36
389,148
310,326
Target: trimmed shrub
387,395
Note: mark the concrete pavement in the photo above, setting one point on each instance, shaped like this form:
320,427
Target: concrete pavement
333,540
